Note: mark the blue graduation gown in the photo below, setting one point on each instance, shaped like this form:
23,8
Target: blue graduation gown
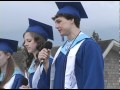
16,81
89,65
44,81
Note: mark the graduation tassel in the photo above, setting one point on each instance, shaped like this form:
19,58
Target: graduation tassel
62,38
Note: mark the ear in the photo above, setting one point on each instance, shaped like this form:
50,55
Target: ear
72,20
8,55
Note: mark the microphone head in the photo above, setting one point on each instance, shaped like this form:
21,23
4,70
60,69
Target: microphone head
47,45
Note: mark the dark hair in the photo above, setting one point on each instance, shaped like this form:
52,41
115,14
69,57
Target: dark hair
68,17
40,40
9,71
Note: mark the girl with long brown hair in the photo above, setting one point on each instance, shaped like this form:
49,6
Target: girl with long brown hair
11,77
35,37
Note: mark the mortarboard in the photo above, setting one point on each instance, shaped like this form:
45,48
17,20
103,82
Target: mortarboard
40,28
73,8
8,45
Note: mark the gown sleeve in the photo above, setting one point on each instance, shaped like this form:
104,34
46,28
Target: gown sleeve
18,81
89,68
44,82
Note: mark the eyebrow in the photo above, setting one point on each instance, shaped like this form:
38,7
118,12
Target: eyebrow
57,20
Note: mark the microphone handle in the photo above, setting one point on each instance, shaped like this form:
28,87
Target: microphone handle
41,62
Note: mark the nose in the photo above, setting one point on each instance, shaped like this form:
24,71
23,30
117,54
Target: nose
56,26
25,44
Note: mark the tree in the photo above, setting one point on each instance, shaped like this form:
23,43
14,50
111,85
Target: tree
95,36
19,48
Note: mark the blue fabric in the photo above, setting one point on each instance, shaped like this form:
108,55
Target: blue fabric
40,28
2,75
18,81
8,45
69,10
5,47
44,81
19,76
30,79
60,71
72,8
32,68
75,41
31,72
18,71
89,67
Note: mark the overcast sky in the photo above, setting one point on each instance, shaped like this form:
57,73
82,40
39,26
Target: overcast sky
103,17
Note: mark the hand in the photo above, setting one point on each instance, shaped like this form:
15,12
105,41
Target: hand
44,55
24,87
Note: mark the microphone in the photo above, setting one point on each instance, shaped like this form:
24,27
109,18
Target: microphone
47,45
24,81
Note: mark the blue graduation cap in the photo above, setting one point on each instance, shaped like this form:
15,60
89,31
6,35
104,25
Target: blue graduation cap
73,8
40,28
8,45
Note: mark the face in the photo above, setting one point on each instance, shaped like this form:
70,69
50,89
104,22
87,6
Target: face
3,58
29,43
63,25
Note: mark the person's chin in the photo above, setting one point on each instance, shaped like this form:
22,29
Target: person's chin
61,34
29,51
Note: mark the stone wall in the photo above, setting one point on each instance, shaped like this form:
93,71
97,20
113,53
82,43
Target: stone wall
111,70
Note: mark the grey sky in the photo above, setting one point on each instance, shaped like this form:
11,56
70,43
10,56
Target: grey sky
103,17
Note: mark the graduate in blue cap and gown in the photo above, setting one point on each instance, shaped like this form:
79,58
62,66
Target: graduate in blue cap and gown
11,77
35,37
78,63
